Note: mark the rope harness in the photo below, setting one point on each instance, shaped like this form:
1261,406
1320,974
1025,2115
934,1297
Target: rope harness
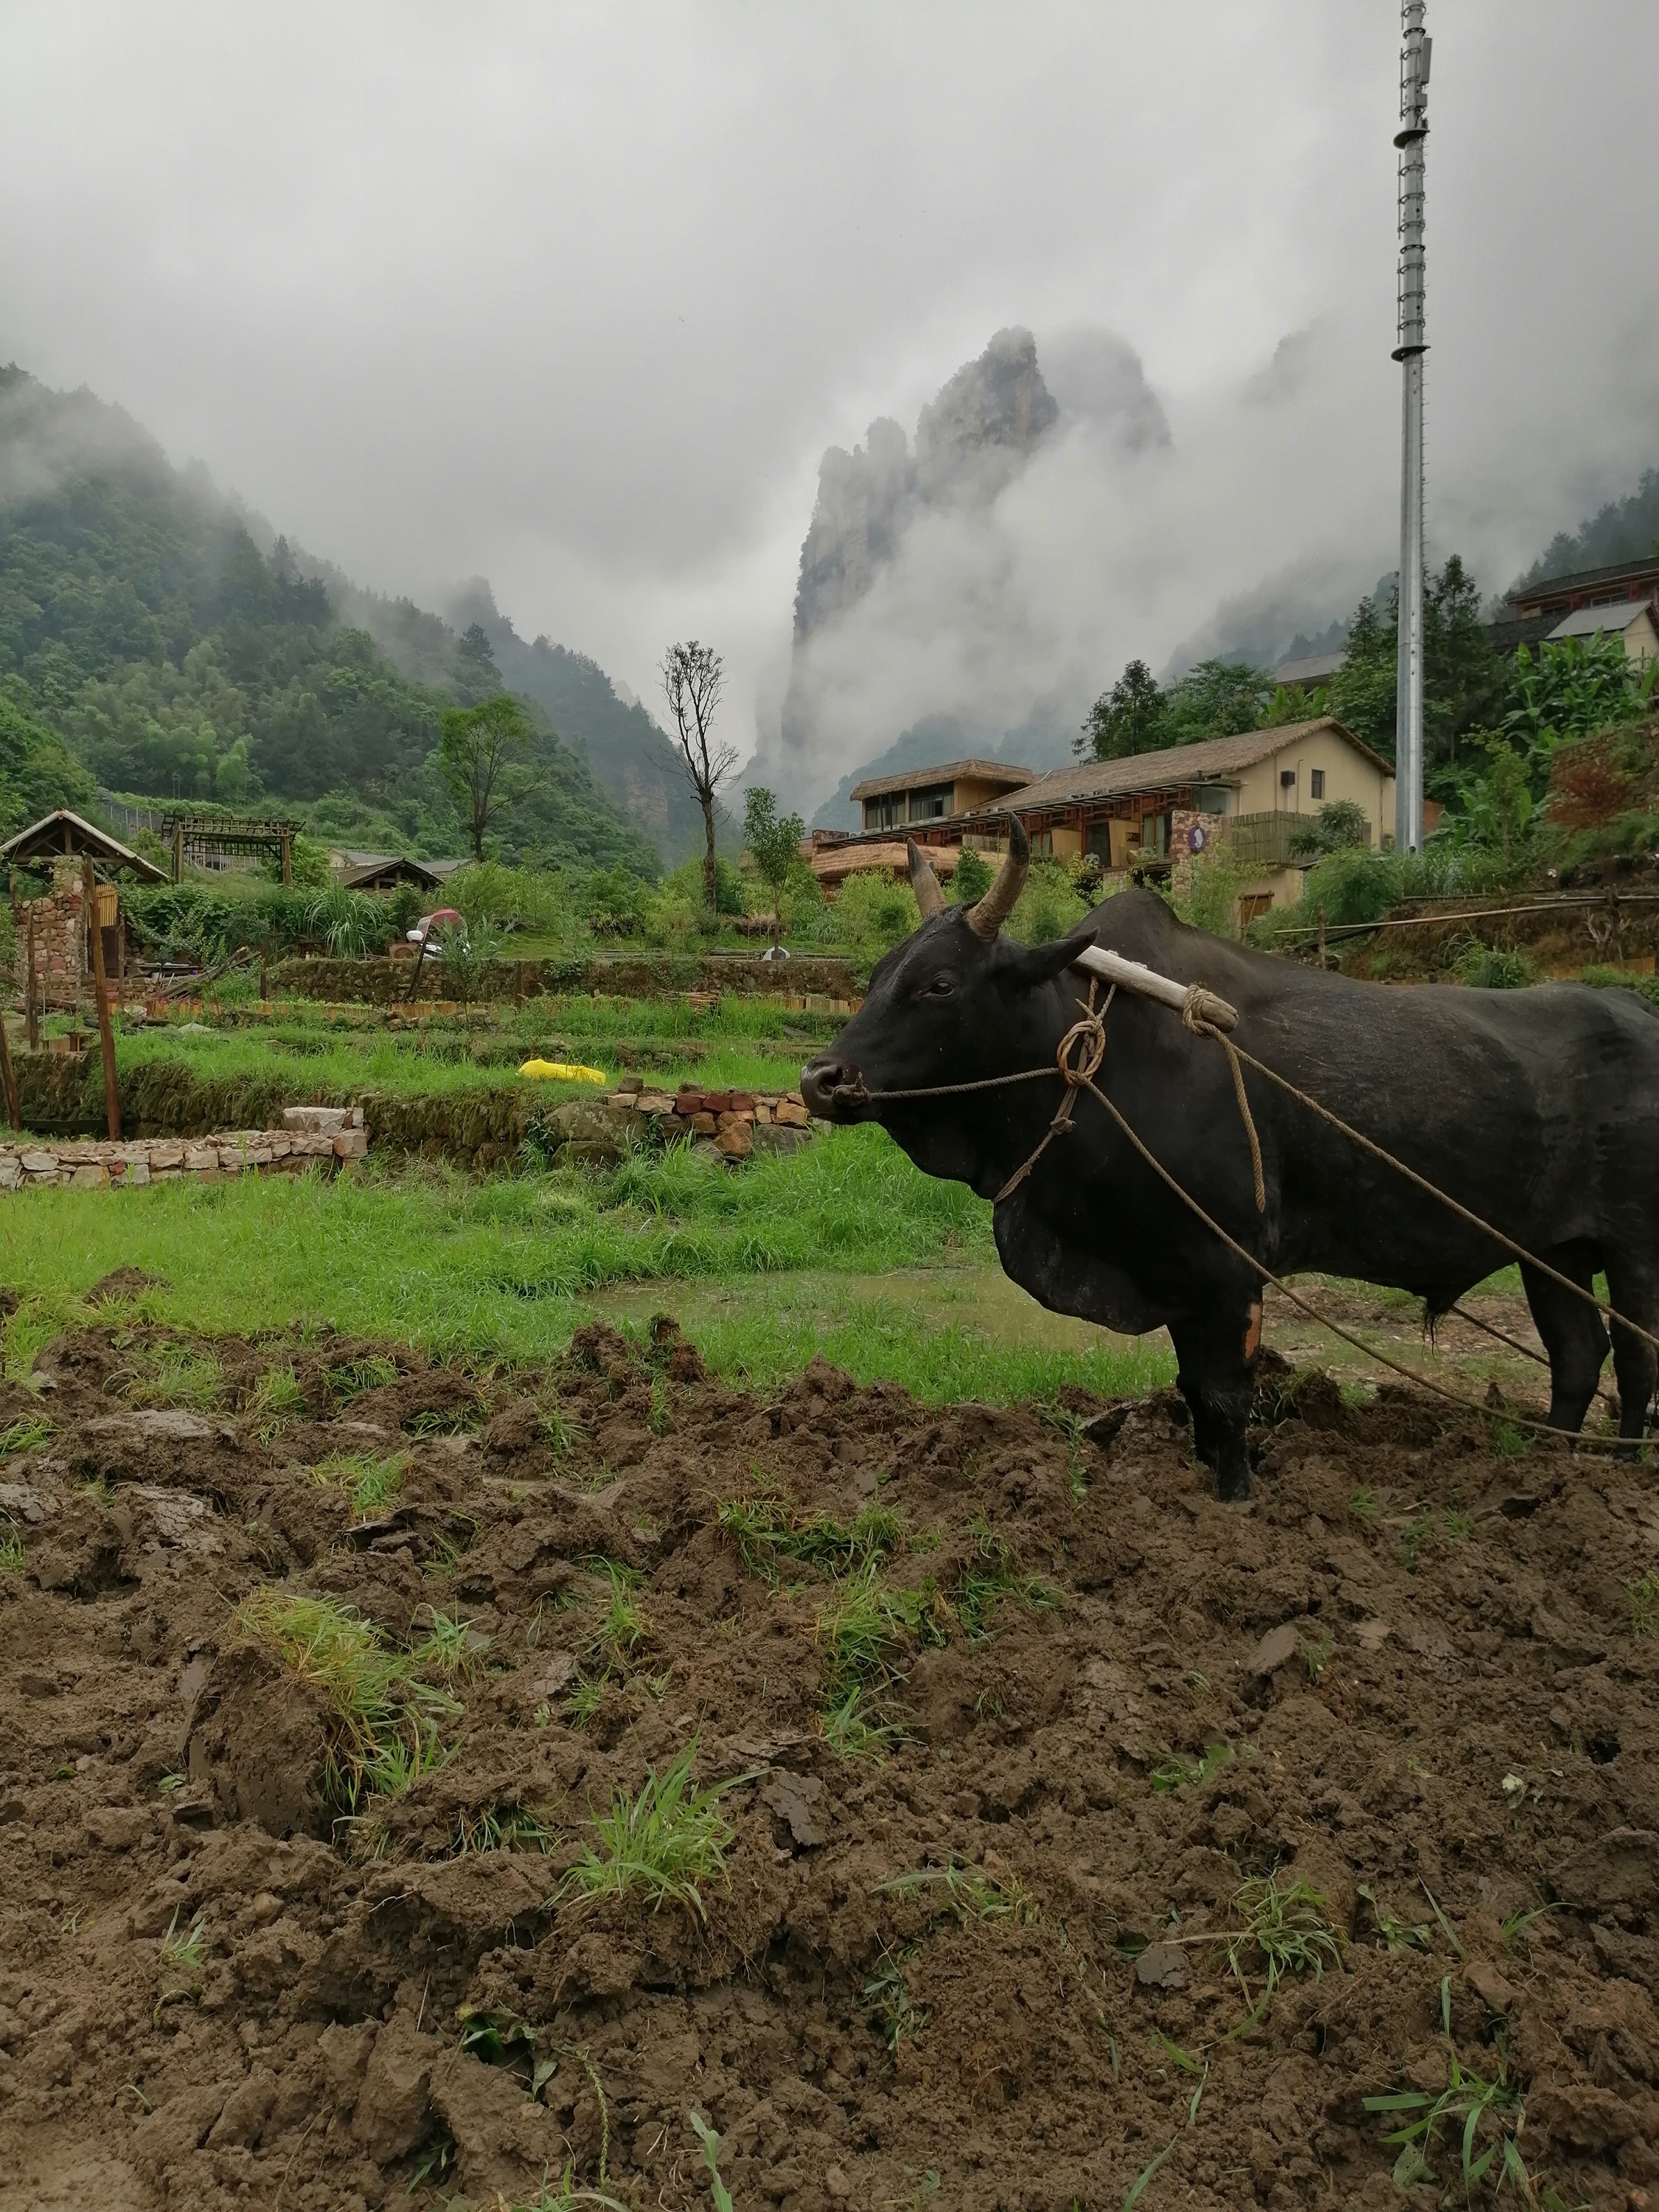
1203,1014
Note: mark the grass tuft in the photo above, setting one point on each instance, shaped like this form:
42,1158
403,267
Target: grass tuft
353,1377
766,1533
666,1845
970,1895
24,1436
992,1576
890,2009
11,1553
171,1374
184,1954
1643,1596
371,1484
1288,1929
1175,1772
1469,2106
384,1721
452,1648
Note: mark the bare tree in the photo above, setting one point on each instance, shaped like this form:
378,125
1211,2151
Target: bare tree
692,675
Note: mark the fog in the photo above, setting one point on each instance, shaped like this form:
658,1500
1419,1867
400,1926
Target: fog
575,299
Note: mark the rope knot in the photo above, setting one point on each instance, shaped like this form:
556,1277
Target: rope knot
1203,1012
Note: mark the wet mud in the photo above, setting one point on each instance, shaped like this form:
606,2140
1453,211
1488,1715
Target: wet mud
1075,1825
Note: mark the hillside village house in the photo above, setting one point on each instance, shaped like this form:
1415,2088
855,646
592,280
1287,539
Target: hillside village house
1154,809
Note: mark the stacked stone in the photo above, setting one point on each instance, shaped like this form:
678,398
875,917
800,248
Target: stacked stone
309,1134
732,1119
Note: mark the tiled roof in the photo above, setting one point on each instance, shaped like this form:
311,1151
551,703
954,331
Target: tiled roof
917,779
1212,760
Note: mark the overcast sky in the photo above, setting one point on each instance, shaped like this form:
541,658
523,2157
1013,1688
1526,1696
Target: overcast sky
575,296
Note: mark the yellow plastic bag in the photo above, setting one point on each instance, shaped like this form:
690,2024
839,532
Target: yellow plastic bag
562,1071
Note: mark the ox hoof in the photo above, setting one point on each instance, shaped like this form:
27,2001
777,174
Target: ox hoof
1233,1490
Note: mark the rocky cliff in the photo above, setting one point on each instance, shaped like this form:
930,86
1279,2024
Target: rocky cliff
971,441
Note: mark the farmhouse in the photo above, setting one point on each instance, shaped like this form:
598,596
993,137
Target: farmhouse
1152,810
932,794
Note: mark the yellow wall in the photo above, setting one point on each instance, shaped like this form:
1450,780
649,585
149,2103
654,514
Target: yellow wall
1347,775
1641,640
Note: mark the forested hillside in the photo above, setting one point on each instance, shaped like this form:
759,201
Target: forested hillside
148,642
1624,530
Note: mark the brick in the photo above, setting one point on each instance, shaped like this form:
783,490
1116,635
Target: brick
37,1162
732,1137
703,1124
789,1116
90,1176
743,1102
198,1157
137,1172
351,1144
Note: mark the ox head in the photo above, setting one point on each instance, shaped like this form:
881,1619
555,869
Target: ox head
956,1002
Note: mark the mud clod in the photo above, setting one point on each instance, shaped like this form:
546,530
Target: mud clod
1050,1791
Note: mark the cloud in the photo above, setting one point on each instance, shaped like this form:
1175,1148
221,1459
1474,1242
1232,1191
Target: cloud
576,298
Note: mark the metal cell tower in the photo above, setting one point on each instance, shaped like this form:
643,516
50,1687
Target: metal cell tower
1412,140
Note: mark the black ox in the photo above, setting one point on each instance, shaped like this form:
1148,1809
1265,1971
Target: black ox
1538,1109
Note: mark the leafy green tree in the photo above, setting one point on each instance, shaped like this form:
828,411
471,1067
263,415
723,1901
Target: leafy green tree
1128,719
1214,699
972,879
1338,823
37,772
774,843
1466,686
477,748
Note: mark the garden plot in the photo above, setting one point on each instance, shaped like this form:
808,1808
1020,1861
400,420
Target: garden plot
426,1785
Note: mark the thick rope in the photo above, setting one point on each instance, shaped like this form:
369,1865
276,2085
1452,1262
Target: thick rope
1411,1374
1515,1343
1507,1243
1197,1016
1089,1036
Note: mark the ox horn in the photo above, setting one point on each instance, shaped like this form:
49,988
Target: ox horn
986,918
923,881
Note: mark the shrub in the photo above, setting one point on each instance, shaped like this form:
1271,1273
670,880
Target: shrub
874,914
1049,906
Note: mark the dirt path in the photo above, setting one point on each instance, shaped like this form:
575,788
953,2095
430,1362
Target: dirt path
1398,1701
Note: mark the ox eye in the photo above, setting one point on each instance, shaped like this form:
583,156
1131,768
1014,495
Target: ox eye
940,988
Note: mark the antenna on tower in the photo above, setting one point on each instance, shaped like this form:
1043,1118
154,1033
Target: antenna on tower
1411,138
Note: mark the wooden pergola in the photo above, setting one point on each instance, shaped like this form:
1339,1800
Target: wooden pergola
201,837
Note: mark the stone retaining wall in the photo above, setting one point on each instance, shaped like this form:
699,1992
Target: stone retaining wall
824,984
318,1135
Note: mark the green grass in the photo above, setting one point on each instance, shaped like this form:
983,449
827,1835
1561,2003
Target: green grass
187,1953
1643,1596
335,1056
371,1484
11,1553
24,1436
1287,1928
968,1895
992,1575
1172,1772
175,1375
504,1269
666,1845
384,1721
766,1533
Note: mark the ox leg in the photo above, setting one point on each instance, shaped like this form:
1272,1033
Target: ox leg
1631,1288
1217,1379
1572,1334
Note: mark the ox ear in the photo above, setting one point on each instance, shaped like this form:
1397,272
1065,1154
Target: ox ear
1041,964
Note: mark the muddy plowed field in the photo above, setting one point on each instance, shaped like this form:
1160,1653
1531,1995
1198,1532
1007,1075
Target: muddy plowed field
1079,1829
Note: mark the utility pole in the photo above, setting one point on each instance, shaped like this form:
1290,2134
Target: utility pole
1412,140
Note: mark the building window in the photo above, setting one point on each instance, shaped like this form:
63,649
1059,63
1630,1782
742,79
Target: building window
1155,834
1317,783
